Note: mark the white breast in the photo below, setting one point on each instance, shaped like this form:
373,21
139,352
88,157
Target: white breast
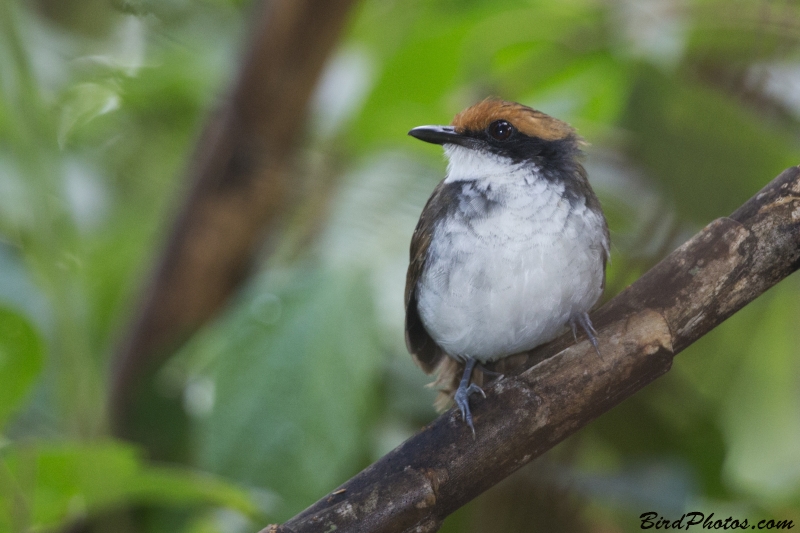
505,279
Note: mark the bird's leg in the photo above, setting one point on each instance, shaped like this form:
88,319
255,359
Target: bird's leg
465,389
583,320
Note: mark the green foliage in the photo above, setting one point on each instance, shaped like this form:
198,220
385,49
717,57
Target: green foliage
735,141
21,354
44,486
291,376
760,399
303,379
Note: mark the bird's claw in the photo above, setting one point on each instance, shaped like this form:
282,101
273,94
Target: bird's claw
583,320
462,401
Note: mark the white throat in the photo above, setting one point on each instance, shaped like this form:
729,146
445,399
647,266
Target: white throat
466,164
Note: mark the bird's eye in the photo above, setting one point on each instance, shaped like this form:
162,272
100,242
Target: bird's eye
500,130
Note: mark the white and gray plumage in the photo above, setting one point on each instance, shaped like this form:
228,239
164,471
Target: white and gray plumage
511,246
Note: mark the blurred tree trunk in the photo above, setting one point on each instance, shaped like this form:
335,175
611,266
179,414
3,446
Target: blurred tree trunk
239,184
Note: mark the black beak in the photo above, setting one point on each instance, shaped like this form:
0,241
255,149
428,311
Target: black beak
439,135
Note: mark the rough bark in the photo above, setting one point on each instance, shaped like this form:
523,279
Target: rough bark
561,387
240,180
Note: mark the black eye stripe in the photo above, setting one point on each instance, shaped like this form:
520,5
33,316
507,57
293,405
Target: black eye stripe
500,130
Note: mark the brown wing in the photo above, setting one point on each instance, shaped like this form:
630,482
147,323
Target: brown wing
593,203
426,353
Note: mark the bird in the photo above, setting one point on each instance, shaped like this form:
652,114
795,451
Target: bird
511,247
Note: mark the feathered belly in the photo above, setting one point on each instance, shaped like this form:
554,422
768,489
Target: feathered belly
486,294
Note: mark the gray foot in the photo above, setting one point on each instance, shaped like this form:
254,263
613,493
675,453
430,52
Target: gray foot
464,391
583,320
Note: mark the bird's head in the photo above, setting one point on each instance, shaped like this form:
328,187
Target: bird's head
504,133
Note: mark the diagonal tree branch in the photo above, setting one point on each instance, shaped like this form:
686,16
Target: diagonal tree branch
559,387
240,179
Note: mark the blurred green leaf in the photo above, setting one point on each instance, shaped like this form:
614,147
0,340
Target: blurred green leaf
590,92
741,32
708,153
763,402
83,102
43,485
411,86
21,358
292,386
